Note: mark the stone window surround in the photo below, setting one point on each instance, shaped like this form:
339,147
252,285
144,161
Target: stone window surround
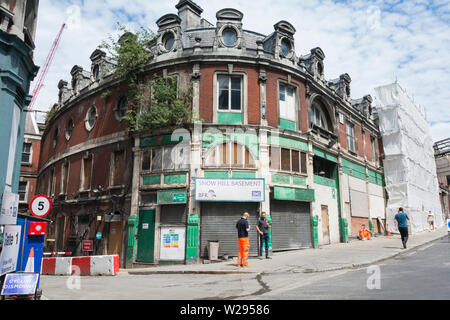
291,53
236,30
296,89
87,156
244,106
86,119
161,43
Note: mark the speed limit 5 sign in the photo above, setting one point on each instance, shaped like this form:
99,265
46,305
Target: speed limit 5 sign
40,206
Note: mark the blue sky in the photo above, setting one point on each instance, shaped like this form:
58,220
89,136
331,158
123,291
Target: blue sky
375,42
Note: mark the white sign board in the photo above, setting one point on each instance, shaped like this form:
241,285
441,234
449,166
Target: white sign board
239,190
172,243
10,207
10,252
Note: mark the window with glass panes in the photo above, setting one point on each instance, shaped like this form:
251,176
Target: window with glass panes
285,159
230,93
350,133
373,148
26,153
287,102
165,158
22,190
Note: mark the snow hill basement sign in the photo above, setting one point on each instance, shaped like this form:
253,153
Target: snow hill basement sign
234,190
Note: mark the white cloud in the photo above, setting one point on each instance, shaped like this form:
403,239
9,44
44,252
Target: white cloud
375,42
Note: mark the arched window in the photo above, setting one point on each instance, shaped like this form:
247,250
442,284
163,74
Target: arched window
230,154
317,116
91,118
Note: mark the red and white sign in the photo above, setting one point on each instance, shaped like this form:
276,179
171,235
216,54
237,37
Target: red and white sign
87,245
40,206
37,228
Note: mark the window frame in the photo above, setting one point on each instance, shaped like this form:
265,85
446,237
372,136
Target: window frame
117,108
295,101
30,153
176,167
24,192
230,157
244,94
352,137
314,111
301,155
230,90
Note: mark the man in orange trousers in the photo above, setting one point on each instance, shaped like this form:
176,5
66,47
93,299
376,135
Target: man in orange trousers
364,233
243,228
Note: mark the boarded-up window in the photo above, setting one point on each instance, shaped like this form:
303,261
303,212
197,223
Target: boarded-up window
295,161
64,177
230,154
146,160
285,159
303,163
274,158
117,168
87,173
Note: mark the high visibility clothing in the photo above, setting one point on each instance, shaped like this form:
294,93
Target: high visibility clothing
364,233
244,246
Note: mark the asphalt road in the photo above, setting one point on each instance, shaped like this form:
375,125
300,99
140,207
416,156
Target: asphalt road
422,273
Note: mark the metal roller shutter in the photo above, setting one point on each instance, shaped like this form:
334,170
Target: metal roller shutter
291,225
173,215
218,222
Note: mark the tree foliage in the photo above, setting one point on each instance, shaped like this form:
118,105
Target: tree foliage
154,103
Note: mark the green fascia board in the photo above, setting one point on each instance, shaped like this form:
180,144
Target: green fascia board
325,181
288,142
299,181
151,180
353,169
216,174
229,118
375,178
325,155
174,178
287,125
176,196
243,175
250,140
281,178
164,140
294,194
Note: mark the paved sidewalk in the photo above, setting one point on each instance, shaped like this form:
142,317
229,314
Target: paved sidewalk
327,258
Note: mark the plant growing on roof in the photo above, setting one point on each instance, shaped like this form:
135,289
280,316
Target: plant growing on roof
152,103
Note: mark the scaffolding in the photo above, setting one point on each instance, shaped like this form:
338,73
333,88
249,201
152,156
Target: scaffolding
409,164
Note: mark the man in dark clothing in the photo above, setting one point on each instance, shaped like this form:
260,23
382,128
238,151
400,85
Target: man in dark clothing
263,227
244,245
401,222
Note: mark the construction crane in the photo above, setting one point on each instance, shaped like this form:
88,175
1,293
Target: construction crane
48,61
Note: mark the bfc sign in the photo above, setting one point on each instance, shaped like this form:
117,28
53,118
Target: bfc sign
239,190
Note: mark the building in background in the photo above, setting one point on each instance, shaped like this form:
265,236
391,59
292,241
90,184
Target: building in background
288,141
17,70
409,163
34,126
442,154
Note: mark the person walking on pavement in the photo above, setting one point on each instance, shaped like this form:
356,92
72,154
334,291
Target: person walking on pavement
401,223
430,220
263,227
244,245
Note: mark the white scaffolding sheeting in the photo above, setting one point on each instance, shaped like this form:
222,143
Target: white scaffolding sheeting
409,165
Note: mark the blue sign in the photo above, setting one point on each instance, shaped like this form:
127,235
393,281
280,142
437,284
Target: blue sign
98,235
20,284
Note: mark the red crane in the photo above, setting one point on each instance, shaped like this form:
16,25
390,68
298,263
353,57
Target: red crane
48,61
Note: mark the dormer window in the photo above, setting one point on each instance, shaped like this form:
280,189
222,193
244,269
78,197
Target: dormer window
229,37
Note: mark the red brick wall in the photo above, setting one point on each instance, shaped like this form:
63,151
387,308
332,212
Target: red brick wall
356,224
368,147
359,140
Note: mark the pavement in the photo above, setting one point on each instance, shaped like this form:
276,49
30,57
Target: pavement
340,256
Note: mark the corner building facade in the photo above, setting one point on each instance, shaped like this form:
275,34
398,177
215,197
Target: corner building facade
275,137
